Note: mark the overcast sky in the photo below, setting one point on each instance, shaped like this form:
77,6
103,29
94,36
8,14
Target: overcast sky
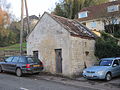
35,7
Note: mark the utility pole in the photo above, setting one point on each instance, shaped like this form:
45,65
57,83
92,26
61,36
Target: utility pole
22,23
28,24
22,26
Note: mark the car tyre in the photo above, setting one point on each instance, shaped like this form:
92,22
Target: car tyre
1,69
18,72
37,73
108,77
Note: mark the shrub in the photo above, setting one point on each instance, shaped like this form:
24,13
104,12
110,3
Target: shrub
106,46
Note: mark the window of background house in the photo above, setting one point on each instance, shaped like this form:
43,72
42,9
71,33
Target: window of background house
83,14
113,8
93,24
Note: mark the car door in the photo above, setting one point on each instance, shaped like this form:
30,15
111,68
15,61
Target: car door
115,68
14,63
6,64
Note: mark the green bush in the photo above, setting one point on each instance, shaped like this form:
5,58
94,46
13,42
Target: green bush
106,46
7,37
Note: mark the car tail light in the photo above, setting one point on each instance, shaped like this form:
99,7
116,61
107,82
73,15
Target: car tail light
41,64
27,65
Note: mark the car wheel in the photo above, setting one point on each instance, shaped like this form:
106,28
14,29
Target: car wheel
18,72
37,73
0,69
108,77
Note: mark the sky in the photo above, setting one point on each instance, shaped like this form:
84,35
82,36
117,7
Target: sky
35,7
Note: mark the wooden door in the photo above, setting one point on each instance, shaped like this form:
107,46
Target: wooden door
58,57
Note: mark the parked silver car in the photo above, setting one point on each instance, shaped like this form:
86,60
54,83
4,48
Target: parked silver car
107,68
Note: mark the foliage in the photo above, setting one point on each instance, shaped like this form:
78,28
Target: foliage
113,29
14,47
59,11
7,37
70,8
106,46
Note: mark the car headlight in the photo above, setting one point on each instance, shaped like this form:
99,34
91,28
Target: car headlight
100,72
84,71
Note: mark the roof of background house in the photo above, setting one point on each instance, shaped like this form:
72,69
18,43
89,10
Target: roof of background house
74,27
99,11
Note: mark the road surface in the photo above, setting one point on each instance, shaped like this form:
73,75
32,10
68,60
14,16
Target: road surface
12,82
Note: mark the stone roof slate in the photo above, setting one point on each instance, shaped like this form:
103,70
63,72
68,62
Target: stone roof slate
74,27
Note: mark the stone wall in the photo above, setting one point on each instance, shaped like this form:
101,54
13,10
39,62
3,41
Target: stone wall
47,36
82,54
7,53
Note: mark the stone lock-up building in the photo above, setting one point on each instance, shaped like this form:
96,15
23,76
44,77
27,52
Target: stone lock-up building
63,45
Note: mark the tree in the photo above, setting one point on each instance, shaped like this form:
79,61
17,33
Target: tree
4,13
59,11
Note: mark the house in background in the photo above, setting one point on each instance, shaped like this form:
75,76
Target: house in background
63,45
96,17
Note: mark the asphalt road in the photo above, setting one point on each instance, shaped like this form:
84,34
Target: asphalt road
11,82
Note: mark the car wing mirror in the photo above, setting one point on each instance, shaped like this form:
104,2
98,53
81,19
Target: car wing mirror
5,60
114,65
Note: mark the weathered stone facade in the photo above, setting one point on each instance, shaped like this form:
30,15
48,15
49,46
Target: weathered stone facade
82,54
49,35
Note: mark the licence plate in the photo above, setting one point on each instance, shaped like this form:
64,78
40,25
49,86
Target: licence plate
89,75
36,65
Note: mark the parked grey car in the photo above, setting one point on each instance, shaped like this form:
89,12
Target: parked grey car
21,65
107,68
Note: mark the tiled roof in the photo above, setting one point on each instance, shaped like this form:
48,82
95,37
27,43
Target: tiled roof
99,11
74,27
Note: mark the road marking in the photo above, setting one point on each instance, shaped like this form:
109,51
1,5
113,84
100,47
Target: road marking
23,88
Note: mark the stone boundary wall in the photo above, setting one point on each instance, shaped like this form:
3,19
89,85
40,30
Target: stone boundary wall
7,53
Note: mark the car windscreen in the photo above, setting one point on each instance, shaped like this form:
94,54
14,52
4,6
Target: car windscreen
105,62
33,60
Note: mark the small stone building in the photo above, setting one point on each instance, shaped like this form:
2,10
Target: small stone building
64,46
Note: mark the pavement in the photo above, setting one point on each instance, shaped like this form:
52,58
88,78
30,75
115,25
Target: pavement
114,84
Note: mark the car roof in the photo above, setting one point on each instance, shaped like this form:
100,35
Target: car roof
20,56
113,58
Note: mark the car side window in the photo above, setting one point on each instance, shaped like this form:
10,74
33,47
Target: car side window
15,59
116,62
9,59
22,60
119,61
